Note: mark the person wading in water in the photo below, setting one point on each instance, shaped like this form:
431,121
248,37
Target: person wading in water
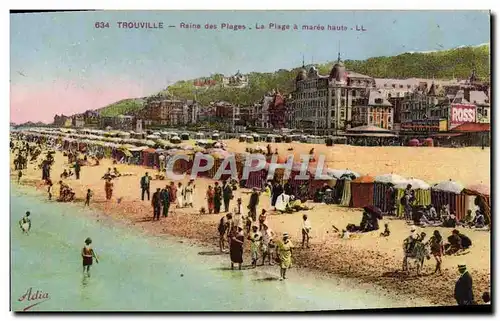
88,255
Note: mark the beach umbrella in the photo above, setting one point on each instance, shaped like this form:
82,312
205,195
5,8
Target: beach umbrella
449,186
339,173
480,188
390,178
364,179
373,210
415,184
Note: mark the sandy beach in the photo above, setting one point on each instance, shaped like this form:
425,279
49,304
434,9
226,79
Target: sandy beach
368,257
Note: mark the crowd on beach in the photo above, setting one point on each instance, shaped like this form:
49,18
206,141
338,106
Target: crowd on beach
239,226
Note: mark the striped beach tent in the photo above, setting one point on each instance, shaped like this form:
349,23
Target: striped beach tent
381,198
422,194
449,193
258,178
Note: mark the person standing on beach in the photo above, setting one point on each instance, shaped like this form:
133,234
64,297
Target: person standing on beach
19,176
180,195
276,191
210,199
88,255
255,237
77,169
156,203
165,197
236,248
217,198
285,255
437,249
223,229
145,180
306,229
227,192
87,197
25,223
463,287
267,244
254,202
108,187
173,193
188,194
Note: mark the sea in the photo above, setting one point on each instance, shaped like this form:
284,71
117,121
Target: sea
140,272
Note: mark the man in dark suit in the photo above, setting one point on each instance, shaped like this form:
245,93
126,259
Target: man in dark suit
156,202
463,287
145,185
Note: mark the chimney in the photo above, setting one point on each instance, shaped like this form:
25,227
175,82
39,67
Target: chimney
467,94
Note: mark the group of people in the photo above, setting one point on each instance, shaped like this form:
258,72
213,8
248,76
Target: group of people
218,195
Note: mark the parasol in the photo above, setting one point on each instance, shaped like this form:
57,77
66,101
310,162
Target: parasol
390,178
449,186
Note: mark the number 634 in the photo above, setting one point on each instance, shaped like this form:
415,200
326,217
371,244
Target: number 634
100,24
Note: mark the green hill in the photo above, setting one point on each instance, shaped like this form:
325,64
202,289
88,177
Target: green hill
444,64
121,107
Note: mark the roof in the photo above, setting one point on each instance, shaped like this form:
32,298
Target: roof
447,134
352,74
372,129
375,95
472,128
479,98
371,135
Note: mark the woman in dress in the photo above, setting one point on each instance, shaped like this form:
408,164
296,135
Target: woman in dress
210,199
88,255
437,249
285,255
236,248
188,194
180,195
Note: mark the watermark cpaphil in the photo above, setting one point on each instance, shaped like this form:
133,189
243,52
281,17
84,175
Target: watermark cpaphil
252,163
33,298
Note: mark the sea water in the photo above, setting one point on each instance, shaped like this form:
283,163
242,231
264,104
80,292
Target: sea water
137,272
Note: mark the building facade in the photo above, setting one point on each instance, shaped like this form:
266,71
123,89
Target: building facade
323,104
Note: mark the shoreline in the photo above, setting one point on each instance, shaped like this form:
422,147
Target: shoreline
297,274
366,259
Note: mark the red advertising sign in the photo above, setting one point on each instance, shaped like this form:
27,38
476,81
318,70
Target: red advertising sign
460,114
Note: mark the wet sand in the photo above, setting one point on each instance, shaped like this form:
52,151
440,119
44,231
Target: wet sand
368,258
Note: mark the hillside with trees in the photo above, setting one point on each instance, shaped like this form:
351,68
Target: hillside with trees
121,107
444,64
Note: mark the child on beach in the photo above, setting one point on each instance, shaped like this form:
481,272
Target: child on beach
255,237
87,198
88,255
386,231
25,223
19,175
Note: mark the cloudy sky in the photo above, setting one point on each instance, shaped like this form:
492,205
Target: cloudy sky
60,63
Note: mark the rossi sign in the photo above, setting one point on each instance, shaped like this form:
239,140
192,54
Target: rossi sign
460,114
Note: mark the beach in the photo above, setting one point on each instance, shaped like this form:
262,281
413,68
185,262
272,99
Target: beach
367,257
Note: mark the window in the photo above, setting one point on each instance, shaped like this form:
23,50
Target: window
332,114
371,119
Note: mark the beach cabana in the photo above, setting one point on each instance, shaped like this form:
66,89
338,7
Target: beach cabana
449,193
422,194
250,139
278,139
317,183
258,178
256,137
288,139
269,138
381,199
303,139
215,136
242,138
477,196
362,191
185,136
329,141
149,157
199,135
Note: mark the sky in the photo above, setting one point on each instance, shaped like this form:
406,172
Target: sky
62,64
